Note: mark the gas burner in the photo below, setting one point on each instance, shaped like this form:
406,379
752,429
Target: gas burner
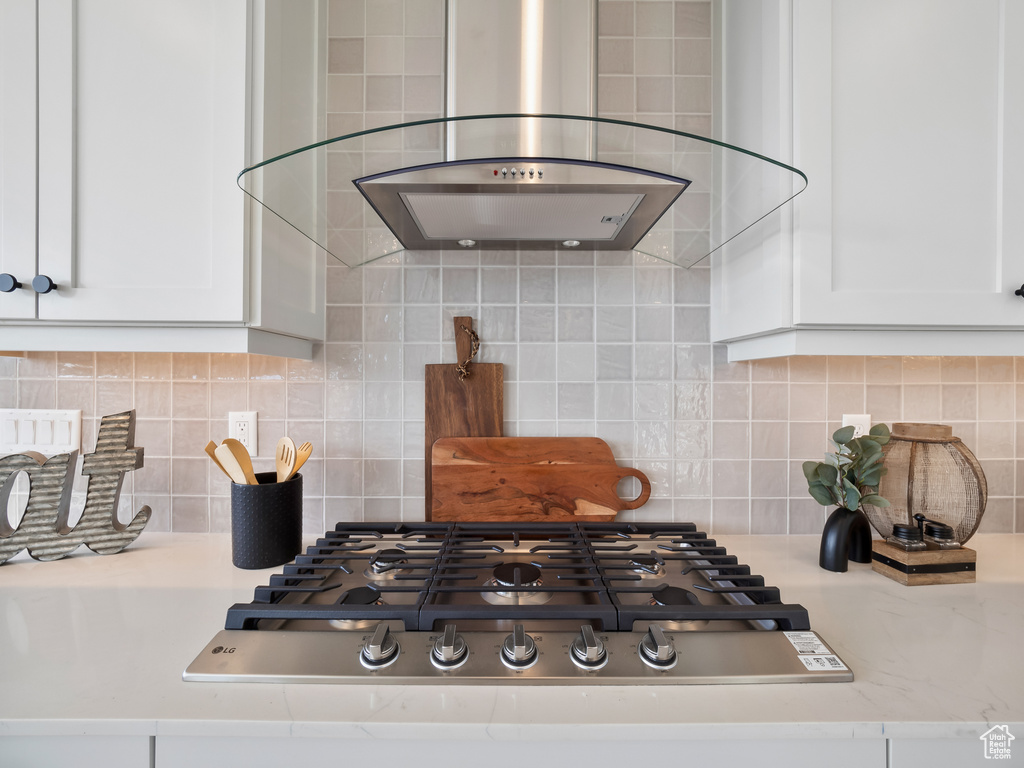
676,596
386,564
505,576
666,595
362,596
358,596
647,566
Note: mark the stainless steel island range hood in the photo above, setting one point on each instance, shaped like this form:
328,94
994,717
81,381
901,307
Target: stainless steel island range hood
521,162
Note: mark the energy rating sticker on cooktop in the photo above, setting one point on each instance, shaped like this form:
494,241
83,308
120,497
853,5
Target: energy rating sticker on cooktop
494,603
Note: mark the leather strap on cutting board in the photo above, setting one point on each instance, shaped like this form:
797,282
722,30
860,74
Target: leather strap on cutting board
473,406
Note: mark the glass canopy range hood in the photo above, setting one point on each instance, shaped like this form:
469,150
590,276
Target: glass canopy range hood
584,183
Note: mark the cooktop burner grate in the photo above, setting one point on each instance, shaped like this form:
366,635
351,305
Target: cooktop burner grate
610,575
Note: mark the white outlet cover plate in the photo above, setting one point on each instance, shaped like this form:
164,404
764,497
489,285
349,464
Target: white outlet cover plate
860,420
250,418
47,432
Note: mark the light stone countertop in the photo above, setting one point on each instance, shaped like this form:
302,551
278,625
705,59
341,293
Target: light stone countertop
97,645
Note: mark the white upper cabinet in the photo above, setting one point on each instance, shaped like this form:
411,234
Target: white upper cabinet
906,117
17,158
145,116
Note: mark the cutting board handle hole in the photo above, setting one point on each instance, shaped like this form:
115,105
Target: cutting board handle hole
634,488
628,488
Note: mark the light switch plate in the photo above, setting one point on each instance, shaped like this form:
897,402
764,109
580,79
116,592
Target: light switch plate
48,432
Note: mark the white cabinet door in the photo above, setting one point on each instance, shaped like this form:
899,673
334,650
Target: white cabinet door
18,154
79,751
142,126
908,127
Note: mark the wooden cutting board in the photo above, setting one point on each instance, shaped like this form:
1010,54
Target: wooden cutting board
473,406
537,479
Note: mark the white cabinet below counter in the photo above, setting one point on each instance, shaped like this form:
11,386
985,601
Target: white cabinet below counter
906,118
79,751
125,126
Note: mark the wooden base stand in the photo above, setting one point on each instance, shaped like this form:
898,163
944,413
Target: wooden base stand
930,566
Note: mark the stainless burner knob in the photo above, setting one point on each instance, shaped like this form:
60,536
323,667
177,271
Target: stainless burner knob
587,650
381,649
518,650
449,650
656,649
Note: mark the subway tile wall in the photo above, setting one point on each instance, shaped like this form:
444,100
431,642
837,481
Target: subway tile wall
615,346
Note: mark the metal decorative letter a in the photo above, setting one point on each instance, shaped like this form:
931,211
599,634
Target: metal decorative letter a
44,527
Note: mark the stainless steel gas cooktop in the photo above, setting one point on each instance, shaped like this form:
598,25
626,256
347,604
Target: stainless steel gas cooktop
495,603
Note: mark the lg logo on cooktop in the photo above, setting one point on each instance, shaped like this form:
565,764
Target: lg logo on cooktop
222,649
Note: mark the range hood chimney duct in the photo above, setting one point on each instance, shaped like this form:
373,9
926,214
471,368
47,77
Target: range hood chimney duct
534,58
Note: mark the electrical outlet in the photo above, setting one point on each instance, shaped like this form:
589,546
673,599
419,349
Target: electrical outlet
861,423
242,427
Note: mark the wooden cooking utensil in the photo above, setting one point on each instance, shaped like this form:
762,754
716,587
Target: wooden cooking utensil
284,458
230,464
509,479
242,458
301,454
461,406
210,449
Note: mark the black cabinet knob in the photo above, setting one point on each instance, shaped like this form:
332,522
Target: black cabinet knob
43,284
1019,292
8,283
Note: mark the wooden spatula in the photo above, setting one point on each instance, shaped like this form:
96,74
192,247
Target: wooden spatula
284,458
230,464
242,458
210,449
457,405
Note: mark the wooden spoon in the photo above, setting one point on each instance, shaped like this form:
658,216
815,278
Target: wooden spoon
285,458
301,454
242,458
210,449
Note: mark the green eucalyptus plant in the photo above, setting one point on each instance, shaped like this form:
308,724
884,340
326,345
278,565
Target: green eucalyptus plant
850,475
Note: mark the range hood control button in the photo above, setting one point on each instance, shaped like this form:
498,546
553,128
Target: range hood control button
656,649
519,650
381,649
504,171
587,650
449,650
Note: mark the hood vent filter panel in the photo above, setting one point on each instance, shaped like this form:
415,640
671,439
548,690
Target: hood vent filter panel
601,206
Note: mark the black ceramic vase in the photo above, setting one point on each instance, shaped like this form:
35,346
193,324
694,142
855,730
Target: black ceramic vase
847,536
